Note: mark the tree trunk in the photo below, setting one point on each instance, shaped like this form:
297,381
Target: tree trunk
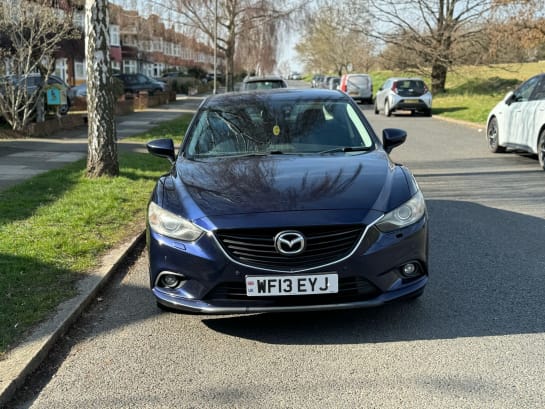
438,77
230,59
102,146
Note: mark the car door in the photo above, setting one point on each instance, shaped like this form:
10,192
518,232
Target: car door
143,83
534,111
519,114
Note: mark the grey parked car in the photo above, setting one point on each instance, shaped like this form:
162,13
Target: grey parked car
358,86
404,94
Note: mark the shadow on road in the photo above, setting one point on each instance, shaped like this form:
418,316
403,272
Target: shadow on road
481,284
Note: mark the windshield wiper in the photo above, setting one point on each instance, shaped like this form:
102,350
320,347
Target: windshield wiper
347,149
263,153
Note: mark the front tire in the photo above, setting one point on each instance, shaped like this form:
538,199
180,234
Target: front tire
492,133
387,110
541,149
376,108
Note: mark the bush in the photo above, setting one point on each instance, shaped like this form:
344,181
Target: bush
196,72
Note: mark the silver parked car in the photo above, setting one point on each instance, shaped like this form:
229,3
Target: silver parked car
263,82
358,86
404,94
518,121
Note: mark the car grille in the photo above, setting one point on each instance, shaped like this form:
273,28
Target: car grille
255,247
351,289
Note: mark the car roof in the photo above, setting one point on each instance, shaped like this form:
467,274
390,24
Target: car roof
263,78
406,79
281,94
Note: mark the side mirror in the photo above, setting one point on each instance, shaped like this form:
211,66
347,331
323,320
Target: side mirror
164,148
392,137
509,98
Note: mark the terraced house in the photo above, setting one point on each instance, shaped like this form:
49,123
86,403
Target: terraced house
137,45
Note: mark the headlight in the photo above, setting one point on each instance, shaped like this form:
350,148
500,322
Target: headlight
171,225
405,215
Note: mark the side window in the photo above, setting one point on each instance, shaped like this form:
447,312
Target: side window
523,93
539,90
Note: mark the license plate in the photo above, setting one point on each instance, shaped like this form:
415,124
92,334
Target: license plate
411,101
263,286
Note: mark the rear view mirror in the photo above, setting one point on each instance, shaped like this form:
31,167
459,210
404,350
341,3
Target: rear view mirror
509,98
163,148
392,137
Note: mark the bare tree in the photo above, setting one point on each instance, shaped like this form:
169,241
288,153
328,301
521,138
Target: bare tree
429,29
30,33
520,25
257,48
328,44
234,17
102,147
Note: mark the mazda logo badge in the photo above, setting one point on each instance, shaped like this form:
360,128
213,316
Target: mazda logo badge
290,242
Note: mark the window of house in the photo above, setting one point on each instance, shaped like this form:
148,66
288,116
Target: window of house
157,45
114,36
116,66
79,71
130,66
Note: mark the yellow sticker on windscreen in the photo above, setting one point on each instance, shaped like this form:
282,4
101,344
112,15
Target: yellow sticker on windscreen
276,130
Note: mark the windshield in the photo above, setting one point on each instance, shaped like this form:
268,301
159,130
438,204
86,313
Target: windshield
278,127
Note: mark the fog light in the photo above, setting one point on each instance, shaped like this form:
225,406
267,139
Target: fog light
171,280
410,270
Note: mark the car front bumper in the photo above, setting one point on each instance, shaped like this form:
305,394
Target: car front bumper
369,277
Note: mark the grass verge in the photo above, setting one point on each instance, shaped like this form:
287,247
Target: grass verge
53,229
174,129
55,226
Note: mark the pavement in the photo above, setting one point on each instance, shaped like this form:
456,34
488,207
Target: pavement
21,159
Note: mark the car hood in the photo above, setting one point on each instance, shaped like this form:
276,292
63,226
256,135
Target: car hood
286,183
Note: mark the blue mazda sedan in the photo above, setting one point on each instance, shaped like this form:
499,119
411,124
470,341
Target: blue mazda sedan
284,200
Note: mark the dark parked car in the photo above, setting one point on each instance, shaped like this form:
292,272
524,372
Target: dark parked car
333,82
264,82
210,77
32,82
316,81
284,200
135,83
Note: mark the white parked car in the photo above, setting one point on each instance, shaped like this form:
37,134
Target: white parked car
518,121
404,94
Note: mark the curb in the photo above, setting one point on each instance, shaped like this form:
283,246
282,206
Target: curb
469,124
24,359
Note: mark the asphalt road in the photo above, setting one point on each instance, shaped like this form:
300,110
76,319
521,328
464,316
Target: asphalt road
475,339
